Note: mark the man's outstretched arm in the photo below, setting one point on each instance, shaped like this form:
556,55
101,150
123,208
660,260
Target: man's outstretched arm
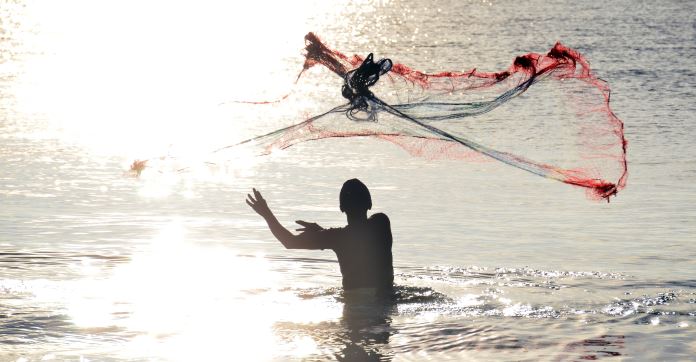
288,239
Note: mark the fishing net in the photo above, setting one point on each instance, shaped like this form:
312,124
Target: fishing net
547,114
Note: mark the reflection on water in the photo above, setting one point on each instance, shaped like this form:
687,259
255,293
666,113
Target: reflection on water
179,301
177,291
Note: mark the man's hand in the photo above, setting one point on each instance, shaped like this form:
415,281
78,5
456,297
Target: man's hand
259,205
308,226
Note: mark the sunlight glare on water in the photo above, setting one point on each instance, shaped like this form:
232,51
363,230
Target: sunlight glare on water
185,302
145,78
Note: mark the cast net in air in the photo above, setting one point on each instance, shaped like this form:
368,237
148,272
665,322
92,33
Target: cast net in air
547,114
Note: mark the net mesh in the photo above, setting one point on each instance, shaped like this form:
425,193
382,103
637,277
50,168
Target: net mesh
547,114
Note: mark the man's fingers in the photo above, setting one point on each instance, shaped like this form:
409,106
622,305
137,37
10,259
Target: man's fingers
304,225
308,226
249,203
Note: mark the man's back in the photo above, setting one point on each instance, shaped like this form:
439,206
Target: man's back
364,253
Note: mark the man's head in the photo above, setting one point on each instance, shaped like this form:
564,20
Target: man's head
355,197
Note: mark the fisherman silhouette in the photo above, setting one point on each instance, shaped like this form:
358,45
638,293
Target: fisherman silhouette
363,247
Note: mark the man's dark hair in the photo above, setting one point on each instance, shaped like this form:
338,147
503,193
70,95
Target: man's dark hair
355,196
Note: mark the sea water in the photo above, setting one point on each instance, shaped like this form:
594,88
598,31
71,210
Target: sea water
491,263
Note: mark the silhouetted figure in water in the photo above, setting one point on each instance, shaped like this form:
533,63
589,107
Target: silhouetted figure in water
363,247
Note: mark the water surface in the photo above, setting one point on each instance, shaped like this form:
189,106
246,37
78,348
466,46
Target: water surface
492,263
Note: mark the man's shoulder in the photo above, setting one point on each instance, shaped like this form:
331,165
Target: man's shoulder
379,218
381,227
